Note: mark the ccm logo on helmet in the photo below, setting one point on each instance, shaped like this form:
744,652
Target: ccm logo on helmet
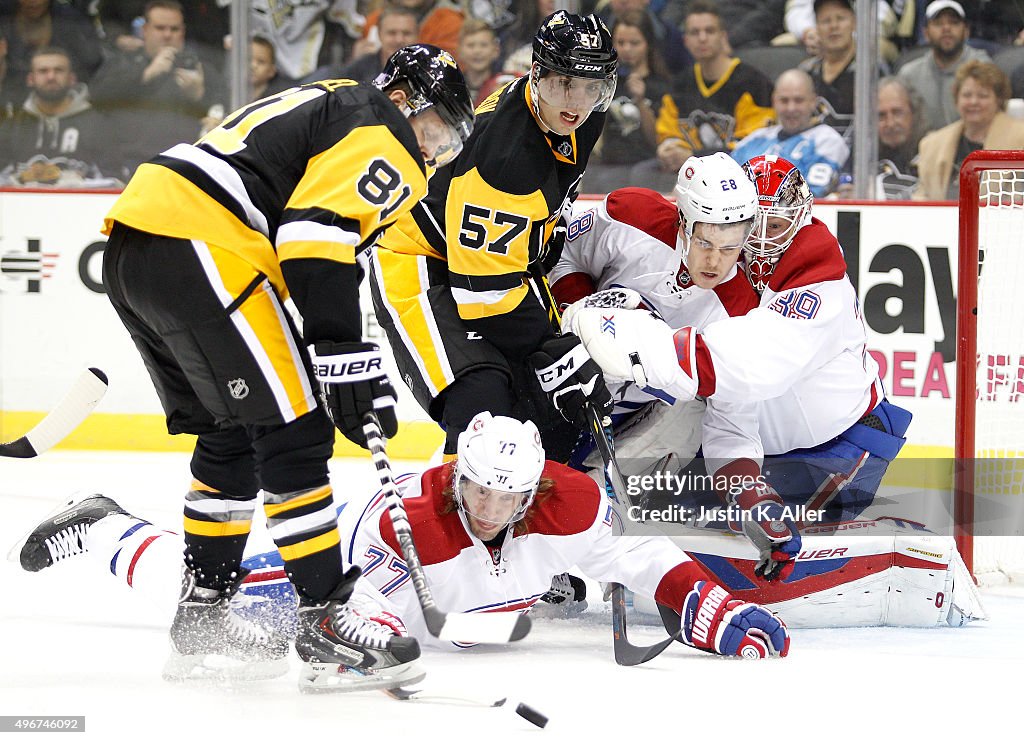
589,68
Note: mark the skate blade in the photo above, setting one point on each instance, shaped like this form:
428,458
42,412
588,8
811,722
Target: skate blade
568,609
326,677
14,555
216,668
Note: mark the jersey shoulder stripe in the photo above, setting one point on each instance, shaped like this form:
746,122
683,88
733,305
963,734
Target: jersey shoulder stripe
644,210
814,256
438,537
570,508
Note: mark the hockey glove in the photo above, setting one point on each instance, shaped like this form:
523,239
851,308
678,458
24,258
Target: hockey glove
552,250
715,621
571,379
637,345
774,536
613,297
353,384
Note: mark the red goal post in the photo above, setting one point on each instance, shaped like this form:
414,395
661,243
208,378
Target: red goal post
989,428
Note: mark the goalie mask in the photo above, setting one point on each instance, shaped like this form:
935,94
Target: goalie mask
714,189
574,63
784,206
500,461
436,84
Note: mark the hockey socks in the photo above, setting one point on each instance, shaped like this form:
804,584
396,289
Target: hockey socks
143,556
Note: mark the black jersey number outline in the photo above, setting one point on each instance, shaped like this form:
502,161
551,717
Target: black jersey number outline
378,185
474,229
229,137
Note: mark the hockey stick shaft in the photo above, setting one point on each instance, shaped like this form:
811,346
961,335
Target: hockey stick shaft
62,419
495,628
626,653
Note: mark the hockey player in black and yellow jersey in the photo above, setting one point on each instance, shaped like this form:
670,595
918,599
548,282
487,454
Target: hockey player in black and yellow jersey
451,281
206,243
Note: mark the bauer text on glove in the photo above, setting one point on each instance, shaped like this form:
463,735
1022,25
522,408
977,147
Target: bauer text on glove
353,384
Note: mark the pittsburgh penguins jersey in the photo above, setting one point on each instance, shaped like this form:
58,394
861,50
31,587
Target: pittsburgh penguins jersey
491,213
316,172
712,116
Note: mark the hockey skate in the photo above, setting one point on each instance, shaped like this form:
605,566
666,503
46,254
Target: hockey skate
62,533
210,641
344,650
566,598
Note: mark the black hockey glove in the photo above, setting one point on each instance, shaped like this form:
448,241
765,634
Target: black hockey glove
552,250
352,384
571,378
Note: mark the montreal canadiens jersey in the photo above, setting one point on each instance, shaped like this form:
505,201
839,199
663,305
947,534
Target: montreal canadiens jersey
568,526
631,240
316,172
801,357
492,211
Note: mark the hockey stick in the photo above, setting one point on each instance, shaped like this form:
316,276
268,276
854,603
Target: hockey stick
63,419
626,653
460,698
484,628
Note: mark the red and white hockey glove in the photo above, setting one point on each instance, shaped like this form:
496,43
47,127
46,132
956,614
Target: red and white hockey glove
773,534
637,345
715,621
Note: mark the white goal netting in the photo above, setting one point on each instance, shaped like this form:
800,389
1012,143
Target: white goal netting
999,397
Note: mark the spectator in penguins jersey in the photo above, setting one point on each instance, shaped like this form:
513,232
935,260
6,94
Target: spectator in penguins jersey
56,138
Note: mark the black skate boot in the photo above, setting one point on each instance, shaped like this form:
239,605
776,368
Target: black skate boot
62,535
211,641
567,597
343,650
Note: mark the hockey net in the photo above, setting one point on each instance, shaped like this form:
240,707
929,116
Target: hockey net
990,367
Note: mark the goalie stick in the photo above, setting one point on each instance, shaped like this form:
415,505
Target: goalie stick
62,419
483,628
626,653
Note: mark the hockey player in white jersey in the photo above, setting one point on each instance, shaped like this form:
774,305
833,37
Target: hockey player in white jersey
792,377
638,249
492,528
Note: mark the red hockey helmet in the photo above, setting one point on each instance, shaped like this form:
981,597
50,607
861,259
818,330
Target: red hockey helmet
783,204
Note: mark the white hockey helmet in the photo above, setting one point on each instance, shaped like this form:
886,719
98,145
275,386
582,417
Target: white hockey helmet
714,189
502,454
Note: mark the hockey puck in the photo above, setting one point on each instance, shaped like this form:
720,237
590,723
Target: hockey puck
531,715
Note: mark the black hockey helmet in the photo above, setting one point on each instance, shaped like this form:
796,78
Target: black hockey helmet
435,82
580,46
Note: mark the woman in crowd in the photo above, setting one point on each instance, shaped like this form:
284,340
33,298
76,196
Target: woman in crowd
981,90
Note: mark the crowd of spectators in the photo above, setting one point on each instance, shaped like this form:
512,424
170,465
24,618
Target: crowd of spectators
89,89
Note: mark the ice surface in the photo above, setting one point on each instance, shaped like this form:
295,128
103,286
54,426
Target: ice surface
75,643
